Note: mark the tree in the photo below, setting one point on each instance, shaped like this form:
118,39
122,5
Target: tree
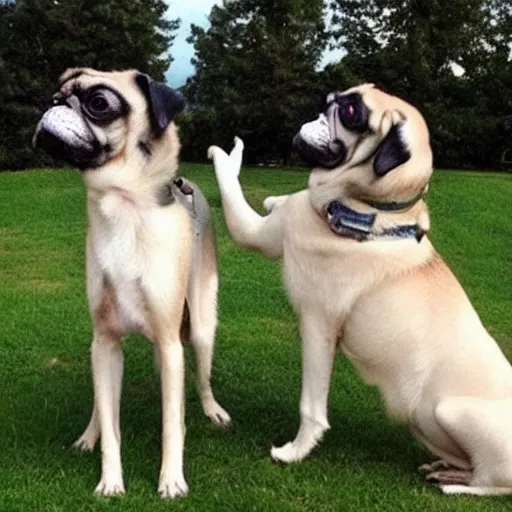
410,47
254,75
103,34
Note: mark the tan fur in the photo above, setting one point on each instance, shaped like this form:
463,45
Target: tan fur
354,183
106,317
144,260
393,306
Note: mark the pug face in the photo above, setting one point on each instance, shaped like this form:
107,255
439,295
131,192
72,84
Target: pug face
365,144
101,120
328,140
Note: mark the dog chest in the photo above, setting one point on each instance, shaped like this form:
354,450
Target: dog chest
136,249
318,268
121,252
130,241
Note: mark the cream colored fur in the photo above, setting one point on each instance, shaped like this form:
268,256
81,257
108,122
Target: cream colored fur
392,306
143,261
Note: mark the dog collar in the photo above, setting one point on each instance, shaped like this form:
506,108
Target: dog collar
165,195
350,223
394,206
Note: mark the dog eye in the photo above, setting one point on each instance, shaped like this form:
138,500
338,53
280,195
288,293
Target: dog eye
347,112
98,104
102,105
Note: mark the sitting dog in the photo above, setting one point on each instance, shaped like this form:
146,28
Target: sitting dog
362,274
150,252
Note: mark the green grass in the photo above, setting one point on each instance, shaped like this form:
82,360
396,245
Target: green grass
365,462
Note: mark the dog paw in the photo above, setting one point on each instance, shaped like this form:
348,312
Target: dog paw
110,486
272,202
214,151
227,167
451,476
224,169
269,203
457,489
287,453
218,415
84,444
171,488
238,145
433,466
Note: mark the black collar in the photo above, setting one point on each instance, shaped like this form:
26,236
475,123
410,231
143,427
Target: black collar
347,222
395,206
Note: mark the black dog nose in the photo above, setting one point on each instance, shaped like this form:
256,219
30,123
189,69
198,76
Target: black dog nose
58,98
332,97
70,101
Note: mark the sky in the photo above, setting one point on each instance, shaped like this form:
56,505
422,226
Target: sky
190,11
197,11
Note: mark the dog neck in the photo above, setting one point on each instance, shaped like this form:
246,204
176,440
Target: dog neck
351,223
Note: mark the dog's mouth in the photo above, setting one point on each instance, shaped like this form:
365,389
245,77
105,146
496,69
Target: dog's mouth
316,147
322,156
64,135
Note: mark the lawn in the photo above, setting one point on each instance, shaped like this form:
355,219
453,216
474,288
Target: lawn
365,462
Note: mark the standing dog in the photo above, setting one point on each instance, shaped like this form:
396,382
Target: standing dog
362,274
150,251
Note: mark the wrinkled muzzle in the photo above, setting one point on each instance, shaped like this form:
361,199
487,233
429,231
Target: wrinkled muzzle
318,144
65,135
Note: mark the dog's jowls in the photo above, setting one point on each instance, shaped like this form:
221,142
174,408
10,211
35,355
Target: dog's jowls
150,252
362,274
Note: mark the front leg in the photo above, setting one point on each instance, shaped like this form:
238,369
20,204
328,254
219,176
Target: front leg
246,226
107,373
107,370
165,298
318,349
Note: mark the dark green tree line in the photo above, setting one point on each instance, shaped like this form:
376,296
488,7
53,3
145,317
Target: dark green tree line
257,71
412,47
255,75
258,67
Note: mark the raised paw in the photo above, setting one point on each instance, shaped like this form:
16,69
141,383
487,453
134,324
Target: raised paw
214,152
171,488
227,167
110,486
238,147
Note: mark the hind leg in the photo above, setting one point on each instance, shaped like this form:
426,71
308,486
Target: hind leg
202,301
87,440
480,426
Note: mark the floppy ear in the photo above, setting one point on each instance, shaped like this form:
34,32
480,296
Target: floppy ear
164,104
392,151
